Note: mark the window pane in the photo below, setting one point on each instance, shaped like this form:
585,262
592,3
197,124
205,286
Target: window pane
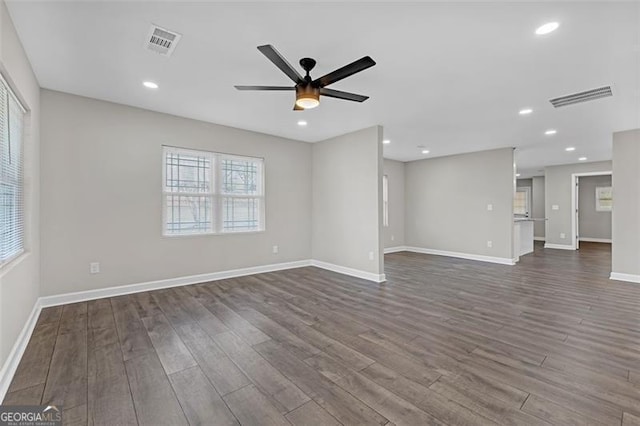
186,172
241,177
188,214
11,179
520,203
240,214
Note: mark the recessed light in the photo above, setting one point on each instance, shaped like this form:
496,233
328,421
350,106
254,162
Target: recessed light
582,159
425,151
302,123
569,149
525,111
150,85
551,132
386,141
517,174
547,28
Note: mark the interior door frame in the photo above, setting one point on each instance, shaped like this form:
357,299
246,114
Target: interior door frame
574,205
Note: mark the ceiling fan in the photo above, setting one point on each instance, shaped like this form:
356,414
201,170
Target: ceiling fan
308,91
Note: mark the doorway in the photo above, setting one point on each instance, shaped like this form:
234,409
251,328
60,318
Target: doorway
591,204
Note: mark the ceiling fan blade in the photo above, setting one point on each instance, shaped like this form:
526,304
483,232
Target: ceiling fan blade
264,88
274,56
344,72
343,95
297,108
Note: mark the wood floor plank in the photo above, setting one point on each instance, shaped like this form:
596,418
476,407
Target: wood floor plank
394,408
34,365
134,340
630,420
67,379
235,322
27,396
199,400
424,398
76,416
252,408
556,414
311,414
172,352
153,397
285,395
225,376
108,394
339,403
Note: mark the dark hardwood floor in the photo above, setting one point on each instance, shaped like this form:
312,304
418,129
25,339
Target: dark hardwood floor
443,341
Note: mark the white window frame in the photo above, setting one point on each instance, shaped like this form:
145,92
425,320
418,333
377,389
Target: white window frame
527,191
216,196
6,258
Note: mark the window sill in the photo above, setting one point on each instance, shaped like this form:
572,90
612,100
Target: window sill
212,234
12,262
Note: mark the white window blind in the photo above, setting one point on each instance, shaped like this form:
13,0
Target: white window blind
208,192
11,178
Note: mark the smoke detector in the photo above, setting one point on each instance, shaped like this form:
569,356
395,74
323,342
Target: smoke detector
162,40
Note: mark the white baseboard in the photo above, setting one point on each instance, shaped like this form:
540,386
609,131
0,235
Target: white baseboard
619,276
378,278
13,359
595,240
395,249
469,256
558,246
81,296
538,239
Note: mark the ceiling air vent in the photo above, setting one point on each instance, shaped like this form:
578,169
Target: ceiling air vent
589,95
161,40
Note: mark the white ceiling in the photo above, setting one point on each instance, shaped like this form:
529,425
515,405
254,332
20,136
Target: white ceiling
450,76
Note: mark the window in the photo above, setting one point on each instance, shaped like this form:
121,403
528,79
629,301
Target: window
385,200
521,201
209,193
604,199
11,185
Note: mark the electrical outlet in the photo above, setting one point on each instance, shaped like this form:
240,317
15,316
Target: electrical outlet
562,235
94,268
489,244
275,249
555,207
393,238
370,255
489,207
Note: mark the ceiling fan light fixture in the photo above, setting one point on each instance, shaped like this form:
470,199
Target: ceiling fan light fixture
307,97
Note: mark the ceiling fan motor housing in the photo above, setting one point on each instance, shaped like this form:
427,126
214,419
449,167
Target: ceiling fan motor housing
307,96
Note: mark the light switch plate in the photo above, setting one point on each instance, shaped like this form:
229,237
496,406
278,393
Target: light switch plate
555,207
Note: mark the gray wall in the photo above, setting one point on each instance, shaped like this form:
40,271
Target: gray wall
538,206
101,186
593,224
626,203
347,200
558,192
19,280
394,233
447,198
